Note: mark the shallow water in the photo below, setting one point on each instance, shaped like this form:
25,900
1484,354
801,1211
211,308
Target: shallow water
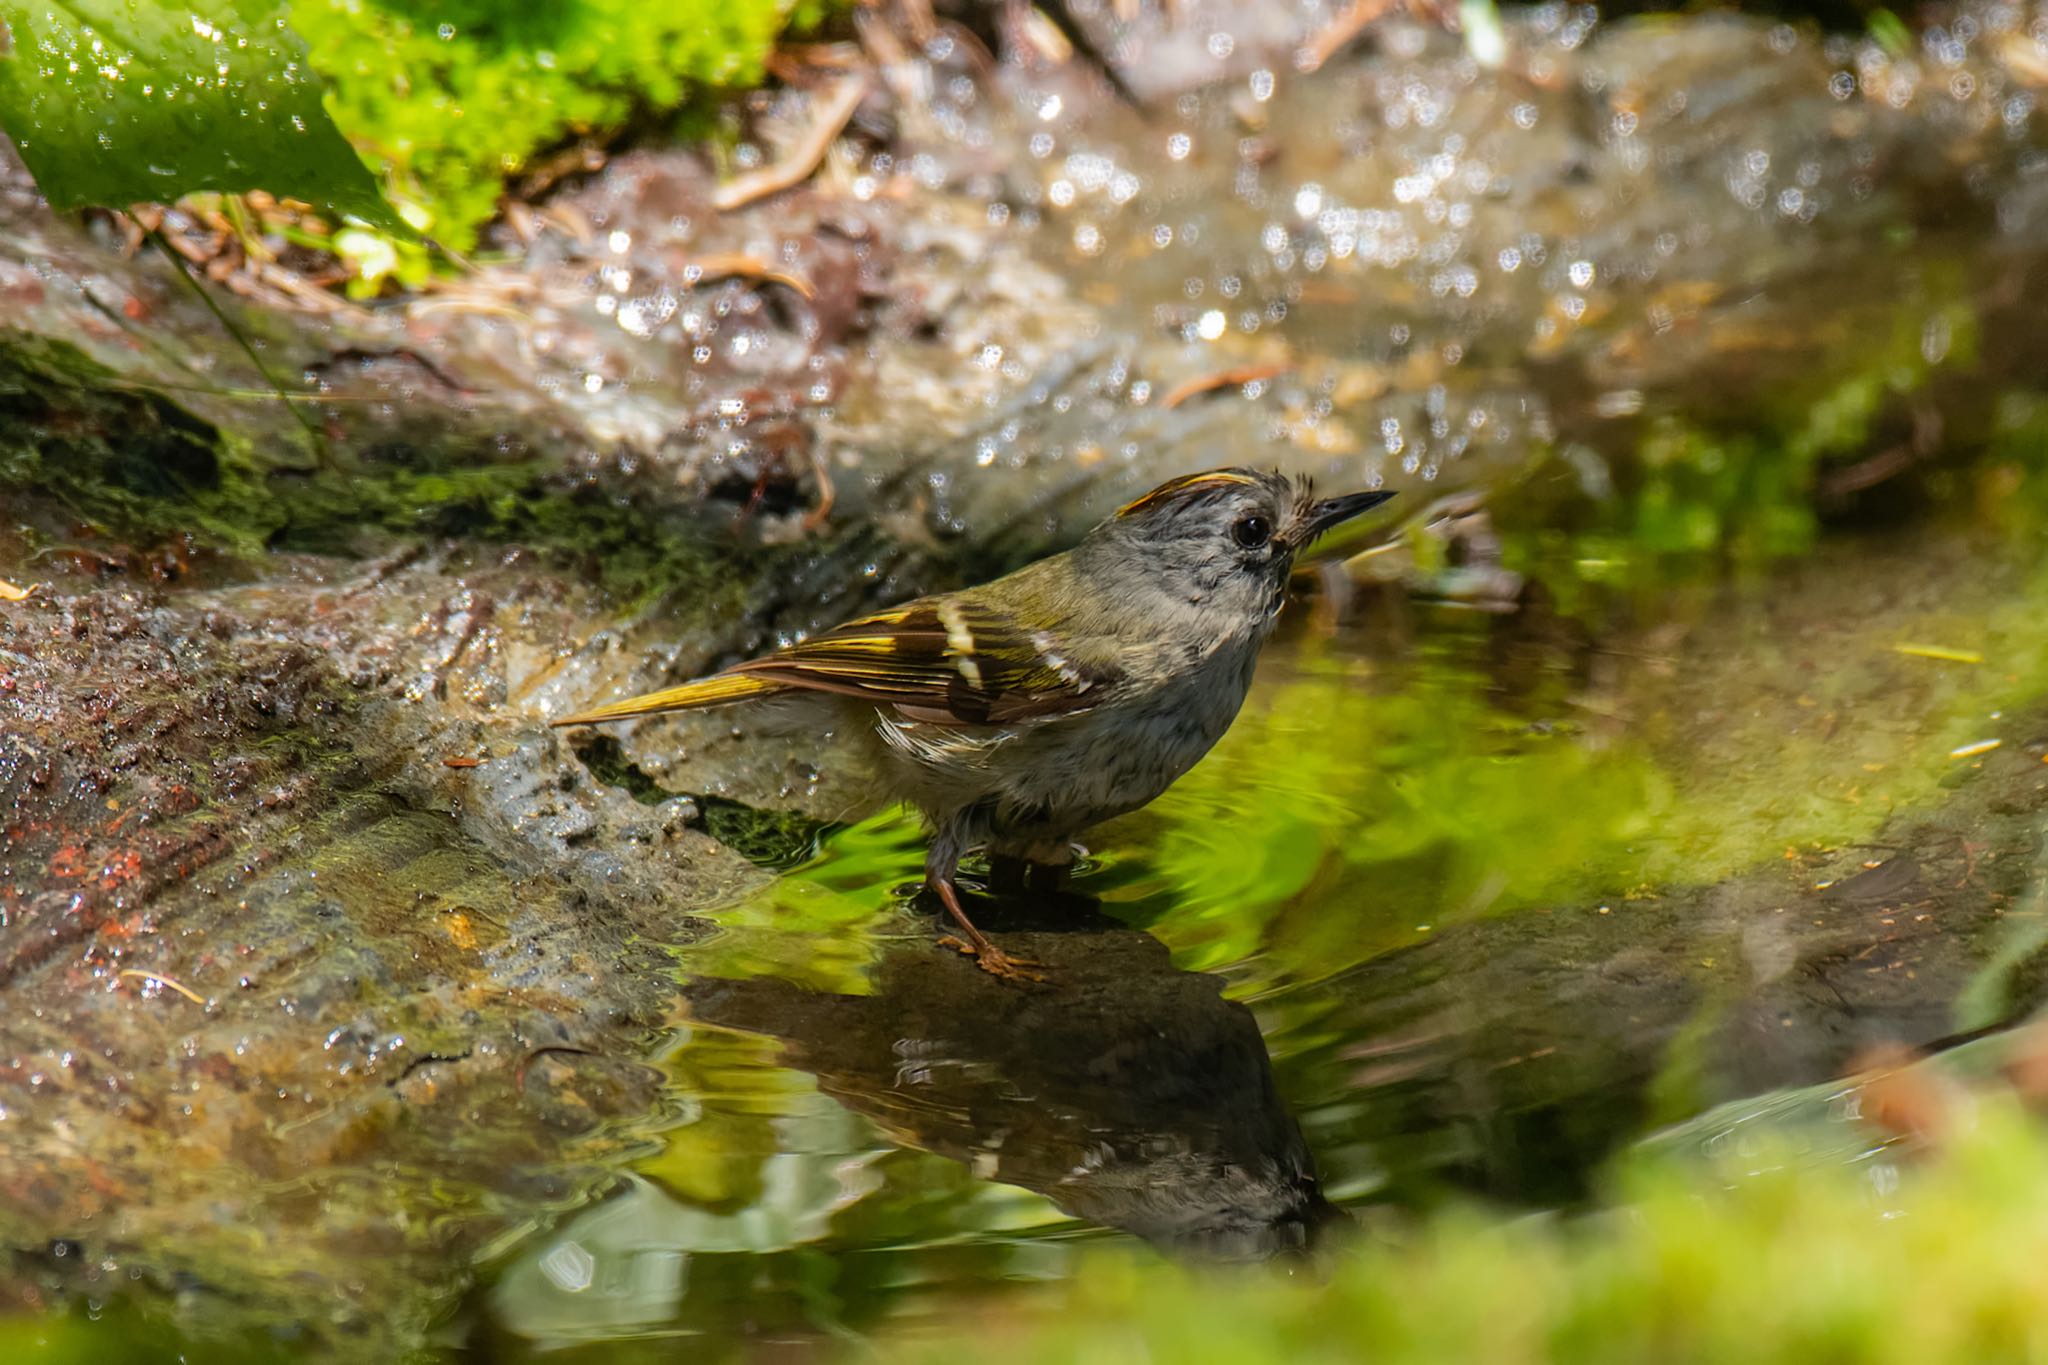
1464,903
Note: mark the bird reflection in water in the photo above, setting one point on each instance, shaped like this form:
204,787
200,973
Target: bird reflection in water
1127,1092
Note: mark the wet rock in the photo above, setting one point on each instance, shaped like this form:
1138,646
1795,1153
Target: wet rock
1028,303
252,925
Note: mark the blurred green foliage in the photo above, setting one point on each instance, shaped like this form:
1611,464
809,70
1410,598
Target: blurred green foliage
1768,1258
449,98
1740,487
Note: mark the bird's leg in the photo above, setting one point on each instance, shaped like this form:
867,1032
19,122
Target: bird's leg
986,955
952,836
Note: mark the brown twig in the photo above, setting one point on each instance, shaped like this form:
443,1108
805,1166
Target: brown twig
1208,383
827,494
730,264
795,168
162,980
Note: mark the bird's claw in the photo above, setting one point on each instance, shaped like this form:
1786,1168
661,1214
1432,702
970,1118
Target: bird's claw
995,961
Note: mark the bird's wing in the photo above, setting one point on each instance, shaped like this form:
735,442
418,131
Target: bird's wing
951,659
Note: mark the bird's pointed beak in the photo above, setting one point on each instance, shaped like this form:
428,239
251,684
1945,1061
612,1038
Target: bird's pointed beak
1321,516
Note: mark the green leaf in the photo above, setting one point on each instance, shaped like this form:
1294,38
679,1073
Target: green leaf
116,102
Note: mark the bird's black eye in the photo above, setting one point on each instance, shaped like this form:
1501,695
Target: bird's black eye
1252,531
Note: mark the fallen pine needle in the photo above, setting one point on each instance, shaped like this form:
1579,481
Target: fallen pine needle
1942,652
728,264
462,763
10,593
795,168
162,980
1242,374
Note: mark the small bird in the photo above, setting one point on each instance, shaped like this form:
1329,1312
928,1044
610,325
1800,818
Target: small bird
1016,714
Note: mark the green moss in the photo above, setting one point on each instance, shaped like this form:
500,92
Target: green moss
448,98
110,457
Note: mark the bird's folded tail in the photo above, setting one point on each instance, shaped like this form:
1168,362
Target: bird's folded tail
712,691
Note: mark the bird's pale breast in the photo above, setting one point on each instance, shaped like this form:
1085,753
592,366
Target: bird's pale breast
1054,778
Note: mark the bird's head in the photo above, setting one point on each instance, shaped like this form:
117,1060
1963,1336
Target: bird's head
1225,539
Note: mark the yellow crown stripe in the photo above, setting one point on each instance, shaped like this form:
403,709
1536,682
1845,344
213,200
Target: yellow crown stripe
1175,487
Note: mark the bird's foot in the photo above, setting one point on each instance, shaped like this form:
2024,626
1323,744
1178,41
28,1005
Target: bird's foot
994,960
